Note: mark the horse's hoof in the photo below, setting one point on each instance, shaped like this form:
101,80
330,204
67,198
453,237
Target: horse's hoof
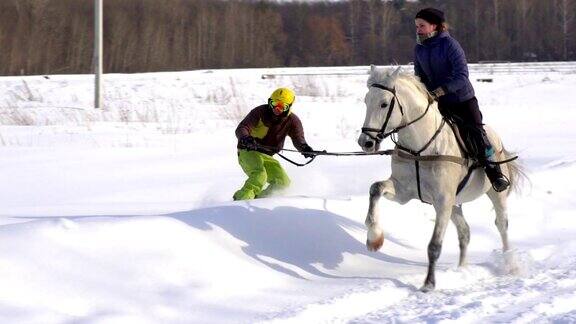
376,244
427,288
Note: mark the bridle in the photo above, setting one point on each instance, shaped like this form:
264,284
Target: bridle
381,133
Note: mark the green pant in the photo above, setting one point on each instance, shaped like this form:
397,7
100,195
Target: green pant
260,169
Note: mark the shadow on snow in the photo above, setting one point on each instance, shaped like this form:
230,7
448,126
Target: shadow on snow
302,238
299,237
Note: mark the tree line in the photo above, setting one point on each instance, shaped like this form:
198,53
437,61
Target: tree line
56,36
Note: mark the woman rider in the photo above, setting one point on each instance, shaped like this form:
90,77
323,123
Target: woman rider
441,64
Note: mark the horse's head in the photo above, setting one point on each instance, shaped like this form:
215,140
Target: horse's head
383,111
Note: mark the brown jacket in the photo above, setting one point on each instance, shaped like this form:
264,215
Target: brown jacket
270,130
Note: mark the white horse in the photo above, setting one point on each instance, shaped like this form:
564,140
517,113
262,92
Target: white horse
428,165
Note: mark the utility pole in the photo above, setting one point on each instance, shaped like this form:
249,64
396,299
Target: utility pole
98,53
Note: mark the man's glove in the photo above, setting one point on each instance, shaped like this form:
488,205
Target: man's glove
307,151
437,93
249,143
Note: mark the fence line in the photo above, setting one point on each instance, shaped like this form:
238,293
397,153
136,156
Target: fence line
482,67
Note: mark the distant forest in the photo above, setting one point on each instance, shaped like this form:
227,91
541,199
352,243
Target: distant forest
56,36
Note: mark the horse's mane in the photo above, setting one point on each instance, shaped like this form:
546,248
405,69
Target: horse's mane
383,76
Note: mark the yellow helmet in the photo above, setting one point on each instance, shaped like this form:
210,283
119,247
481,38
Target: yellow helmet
283,94
281,100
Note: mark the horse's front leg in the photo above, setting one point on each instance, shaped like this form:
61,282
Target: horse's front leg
375,237
443,212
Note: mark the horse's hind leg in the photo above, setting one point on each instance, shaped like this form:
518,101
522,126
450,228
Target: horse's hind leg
499,201
375,237
463,232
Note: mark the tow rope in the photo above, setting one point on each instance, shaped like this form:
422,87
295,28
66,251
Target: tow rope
394,152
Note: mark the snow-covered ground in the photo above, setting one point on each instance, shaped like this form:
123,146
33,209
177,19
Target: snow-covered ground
125,215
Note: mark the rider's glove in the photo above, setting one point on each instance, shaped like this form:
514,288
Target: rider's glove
307,151
249,143
438,92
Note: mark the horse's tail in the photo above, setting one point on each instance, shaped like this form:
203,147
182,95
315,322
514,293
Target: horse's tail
516,173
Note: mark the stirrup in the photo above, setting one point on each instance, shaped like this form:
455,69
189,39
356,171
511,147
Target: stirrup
500,184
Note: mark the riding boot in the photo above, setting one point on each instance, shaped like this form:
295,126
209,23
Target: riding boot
486,156
494,172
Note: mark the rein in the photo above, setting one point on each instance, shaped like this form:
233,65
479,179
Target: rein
392,152
381,133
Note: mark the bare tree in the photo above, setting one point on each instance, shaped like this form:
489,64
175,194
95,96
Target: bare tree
566,20
55,36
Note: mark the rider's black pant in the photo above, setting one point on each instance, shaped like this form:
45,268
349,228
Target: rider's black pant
468,117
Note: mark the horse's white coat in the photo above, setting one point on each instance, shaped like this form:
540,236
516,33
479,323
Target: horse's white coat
439,179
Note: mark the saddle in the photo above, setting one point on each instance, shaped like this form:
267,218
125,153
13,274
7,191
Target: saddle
469,151
467,146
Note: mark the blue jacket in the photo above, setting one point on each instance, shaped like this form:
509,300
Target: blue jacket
440,62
